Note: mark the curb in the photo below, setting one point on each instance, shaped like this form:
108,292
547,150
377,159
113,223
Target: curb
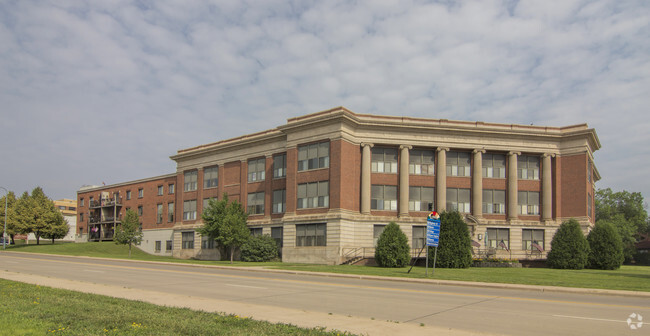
506,286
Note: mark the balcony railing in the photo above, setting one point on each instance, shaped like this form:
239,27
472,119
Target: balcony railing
106,202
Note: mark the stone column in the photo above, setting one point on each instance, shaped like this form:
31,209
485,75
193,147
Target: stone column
547,187
477,183
403,206
512,185
441,179
366,157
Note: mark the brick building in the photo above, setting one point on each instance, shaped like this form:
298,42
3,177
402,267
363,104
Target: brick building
325,184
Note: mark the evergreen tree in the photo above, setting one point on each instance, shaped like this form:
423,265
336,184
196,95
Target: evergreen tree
225,222
129,231
569,247
605,247
259,248
455,245
392,247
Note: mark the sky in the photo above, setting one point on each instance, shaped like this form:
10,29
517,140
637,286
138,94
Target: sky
96,92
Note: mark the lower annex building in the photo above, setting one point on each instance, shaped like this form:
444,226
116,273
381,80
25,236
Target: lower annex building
324,185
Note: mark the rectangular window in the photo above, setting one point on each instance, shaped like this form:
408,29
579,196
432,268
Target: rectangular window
311,235
171,188
532,240
170,212
256,232
169,245
528,202
314,156
494,166
280,166
458,199
589,201
81,217
81,202
421,198
187,240
383,197
277,235
189,180
206,204
210,177
279,201
159,213
419,236
494,201
128,195
256,170
255,204
313,195
207,243
458,163
499,238
377,229
140,210
421,162
140,193
589,170
528,167
189,210
160,190
384,160
158,246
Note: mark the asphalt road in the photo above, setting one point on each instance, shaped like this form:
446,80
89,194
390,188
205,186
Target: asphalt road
473,309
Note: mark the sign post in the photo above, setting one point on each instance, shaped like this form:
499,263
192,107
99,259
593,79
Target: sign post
433,237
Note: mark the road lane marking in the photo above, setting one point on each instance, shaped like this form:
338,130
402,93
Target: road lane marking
589,318
327,284
244,286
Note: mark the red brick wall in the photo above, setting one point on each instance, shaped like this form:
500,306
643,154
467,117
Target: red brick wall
573,185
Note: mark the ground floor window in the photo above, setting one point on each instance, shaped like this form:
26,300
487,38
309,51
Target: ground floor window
311,234
207,243
187,240
376,233
158,245
256,231
169,245
532,240
499,238
277,235
419,236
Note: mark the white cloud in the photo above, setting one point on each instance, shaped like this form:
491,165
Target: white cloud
106,91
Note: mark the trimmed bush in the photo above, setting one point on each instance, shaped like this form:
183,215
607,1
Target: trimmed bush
455,245
569,247
392,247
605,247
259,248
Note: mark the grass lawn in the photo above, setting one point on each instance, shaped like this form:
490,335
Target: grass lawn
635,278
35,310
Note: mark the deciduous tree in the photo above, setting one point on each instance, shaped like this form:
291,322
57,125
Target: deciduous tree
129,231
392,247
569,247
225,222
455,245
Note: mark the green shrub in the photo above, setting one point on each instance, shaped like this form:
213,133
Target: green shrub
569,247
605,247
392,247
259,248
455,245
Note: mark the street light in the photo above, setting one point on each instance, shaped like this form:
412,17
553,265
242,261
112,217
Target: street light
4,235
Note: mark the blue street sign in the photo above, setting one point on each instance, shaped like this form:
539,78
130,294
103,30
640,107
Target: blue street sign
433,232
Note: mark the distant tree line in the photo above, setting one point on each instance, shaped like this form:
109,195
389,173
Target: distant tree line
34,213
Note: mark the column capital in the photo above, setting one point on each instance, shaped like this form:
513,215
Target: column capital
514,153
440,149
479,150
548,155
409,147
364,144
